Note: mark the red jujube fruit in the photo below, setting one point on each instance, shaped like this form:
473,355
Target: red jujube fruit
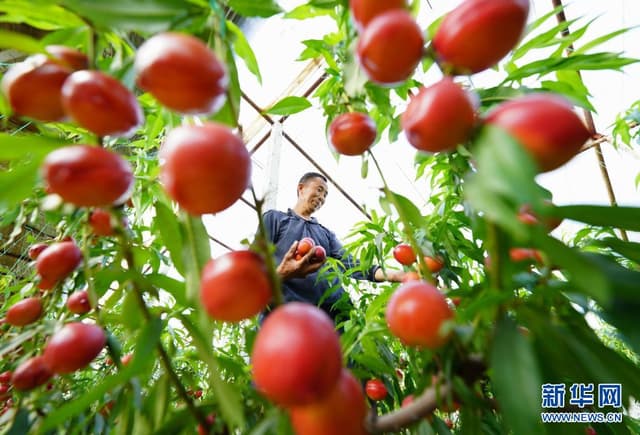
204,168
182,73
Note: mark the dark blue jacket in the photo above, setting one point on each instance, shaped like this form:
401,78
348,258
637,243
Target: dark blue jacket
285,228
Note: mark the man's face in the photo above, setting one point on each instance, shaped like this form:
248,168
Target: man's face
313,193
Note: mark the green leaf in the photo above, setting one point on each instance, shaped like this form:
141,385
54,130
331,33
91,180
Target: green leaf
325,3
21,423
130,316
540,41
622,308
196,251
228,396
617,217
289,106
631,250
568,91
244,50
145,344
515,374
538,22
166,223
505,177
13,146
228,114
575,62
157,401
602,39
172,286
407,209
255,8
20,42
584,275
147,15
17,184
39,14
306,11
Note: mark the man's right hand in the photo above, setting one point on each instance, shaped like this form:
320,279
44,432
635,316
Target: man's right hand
289,267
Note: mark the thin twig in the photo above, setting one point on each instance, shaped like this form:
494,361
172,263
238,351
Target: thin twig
561,18
164,357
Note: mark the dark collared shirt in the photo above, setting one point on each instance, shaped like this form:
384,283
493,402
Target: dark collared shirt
285,228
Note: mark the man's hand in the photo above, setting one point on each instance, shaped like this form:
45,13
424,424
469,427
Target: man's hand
289,267
389,275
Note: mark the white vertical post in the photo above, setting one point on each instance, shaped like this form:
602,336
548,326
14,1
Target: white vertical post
273,167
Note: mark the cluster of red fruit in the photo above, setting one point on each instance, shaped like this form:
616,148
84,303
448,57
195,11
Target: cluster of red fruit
307,244
76,344
297,364
70,348
471,38
204,168
406,256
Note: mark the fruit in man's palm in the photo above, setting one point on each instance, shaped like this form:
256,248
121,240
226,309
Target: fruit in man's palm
33,88
204,168
69,57
296,356
341,412
478,33
304,246
36,249
390,47
182,73
24,312
545,125
78,302
352,133
404,254
363,11
31,374
375,389
415,314
319,255
57,262
235,286
439,117
73,347
88,176
101,104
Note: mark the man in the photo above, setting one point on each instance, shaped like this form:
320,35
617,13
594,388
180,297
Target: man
300,280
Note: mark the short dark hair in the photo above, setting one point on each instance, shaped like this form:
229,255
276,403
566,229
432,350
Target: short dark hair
310,175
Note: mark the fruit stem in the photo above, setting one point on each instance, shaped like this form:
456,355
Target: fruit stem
408,229
493,248
602,164
88,273
91,288
264,247
164,357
